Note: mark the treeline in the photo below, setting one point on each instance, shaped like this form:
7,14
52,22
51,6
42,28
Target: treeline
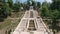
47,10
52,11
7,6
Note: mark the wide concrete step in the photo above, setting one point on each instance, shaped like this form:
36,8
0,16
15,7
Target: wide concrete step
24,33
41,32
35,32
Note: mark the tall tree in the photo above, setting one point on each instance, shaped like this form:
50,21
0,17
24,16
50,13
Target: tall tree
10,2
55,13
16,7
45,11
38,4
55,4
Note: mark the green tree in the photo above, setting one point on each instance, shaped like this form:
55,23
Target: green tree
55,14
38,4
8,9
16,7
10,2
33,3
28,2
4,10
45,11
55,5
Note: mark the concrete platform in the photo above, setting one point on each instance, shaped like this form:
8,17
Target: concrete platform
23,26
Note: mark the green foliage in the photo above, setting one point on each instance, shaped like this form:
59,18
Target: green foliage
16,7
52,10
28,2
10,2
5,10
54,14
45,11
33,3
55,5
38,4
7,6
4,1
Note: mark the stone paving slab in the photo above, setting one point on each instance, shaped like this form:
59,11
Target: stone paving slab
22,27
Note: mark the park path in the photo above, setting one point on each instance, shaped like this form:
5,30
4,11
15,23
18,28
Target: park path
31,23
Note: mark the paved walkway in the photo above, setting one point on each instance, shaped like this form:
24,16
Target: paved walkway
40,27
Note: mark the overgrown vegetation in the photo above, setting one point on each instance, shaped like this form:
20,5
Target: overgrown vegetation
7,7
47,10
52,11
